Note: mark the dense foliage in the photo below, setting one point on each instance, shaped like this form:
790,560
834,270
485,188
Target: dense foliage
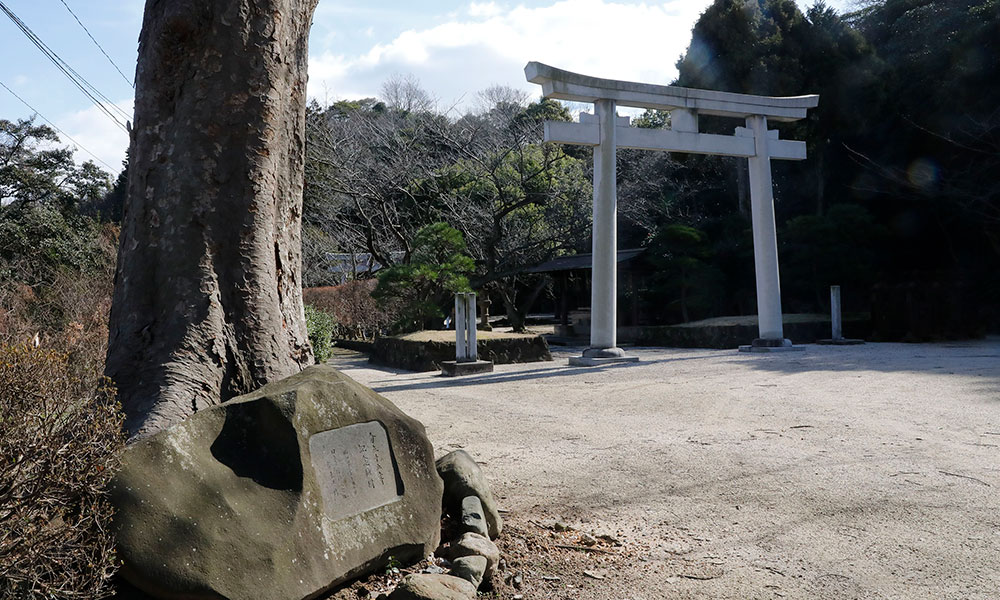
898,185
379,171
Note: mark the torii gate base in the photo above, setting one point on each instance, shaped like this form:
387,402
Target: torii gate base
760,345
589,361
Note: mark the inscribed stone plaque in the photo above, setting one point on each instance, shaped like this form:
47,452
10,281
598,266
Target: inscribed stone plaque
354,469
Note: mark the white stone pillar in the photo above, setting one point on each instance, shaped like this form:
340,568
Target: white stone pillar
835,316
765,239
472,353
603,285
460,322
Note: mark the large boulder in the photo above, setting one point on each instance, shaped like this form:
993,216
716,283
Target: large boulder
281,494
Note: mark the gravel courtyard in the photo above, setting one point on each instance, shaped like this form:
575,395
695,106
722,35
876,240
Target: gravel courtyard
836,472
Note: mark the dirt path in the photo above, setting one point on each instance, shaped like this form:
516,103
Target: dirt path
838,472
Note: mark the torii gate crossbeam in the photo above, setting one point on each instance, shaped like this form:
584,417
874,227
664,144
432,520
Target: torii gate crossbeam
606,132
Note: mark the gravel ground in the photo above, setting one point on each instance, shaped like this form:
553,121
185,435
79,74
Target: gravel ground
837,472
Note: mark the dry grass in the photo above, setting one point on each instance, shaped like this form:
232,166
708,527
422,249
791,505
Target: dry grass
60,436
357,314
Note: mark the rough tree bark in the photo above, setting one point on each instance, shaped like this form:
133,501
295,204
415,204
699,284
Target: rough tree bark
208,302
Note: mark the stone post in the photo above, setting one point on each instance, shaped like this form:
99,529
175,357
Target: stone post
837,322
466,344
461,339
472,348
835,315
765,239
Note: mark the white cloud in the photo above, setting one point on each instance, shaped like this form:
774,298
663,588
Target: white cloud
491,44
93,130
484,9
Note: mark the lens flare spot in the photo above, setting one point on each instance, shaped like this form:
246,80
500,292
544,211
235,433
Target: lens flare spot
922,173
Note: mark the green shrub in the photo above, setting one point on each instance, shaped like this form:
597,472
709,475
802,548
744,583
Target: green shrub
685,284
437,270
60,439
320,326
40,237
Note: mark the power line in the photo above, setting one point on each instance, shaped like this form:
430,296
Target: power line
104,103
54,126
85,86
101,48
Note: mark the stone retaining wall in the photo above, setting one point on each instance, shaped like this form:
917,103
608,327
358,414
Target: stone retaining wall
730,336
424,355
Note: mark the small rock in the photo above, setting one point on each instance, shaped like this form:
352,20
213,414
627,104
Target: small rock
560,526
702,572
587,540
472,516
516,580
470,568
473,544
610,539
433,570
433,587
462,478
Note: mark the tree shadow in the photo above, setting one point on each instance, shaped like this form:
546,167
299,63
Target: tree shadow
554,369
980,358
973,358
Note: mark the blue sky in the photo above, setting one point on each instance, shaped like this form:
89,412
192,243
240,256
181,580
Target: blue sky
454,48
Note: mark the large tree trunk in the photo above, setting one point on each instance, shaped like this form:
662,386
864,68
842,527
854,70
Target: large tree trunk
208,302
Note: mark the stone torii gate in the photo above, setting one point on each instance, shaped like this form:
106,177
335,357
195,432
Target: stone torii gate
606,132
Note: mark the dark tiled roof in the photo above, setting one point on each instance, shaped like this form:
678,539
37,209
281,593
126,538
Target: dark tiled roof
580,261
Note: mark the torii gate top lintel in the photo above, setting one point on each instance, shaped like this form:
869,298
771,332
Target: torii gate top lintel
574,87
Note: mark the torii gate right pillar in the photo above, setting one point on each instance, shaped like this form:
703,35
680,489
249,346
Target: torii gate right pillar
604,273
765,240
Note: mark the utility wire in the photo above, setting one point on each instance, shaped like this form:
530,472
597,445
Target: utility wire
85,86
54,126
96,43
104,103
